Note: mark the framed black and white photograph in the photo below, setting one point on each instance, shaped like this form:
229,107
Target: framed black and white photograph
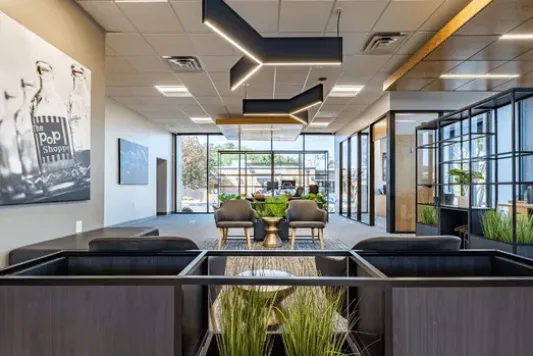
45,120
133,163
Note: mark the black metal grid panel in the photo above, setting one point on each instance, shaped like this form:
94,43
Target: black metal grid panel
488,110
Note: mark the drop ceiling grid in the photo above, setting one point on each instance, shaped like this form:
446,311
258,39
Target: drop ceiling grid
133,35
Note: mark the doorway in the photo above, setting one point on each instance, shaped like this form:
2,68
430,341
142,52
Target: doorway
380,142
162,187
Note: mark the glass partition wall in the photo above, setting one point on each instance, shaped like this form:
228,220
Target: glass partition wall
380,164
479,184
200,178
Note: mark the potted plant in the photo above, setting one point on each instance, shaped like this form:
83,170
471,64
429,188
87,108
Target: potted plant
272,207
243,329
225,197
497,229
464,178
428,221
310,322
320,199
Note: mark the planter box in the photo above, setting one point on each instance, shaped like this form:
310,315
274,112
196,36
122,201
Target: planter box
210,347
482,243
435,318
260,230
426,230
95,303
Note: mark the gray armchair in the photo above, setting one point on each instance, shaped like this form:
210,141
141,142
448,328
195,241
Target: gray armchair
234,214
333,266
305,214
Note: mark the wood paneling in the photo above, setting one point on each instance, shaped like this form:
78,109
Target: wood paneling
462,321
405,183
87,320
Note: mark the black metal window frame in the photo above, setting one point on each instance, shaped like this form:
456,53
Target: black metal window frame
208,135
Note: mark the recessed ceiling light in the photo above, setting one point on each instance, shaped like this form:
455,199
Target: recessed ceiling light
319,124
479,76
345,90
201,120
404,121
525,36
173,91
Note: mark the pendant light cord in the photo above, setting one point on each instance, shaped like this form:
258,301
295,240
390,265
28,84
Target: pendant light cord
339,13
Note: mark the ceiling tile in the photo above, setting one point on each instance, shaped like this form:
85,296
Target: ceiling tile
291,75
356,15
412,84
211,44
413,43
352,43
132,91
460,47
395,17
199,84
141,79
218,63
108,15
118,65
431,69
152,17
110,51
366,97
481,85
497,18
394,63
444,14
128,44
446,84
261,15
287,91
148,63
304,16
190,16
475,67
504,50
171,44
365,63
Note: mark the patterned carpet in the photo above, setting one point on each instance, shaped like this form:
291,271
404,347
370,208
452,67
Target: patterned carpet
300,244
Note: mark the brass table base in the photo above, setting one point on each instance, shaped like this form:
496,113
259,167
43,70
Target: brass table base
272,239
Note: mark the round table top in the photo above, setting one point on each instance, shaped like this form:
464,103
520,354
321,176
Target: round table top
266,273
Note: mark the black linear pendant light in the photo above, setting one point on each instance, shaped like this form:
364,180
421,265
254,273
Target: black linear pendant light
295,107
270,51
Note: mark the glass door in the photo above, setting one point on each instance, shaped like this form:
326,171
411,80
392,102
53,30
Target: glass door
365,184
344,179
354,177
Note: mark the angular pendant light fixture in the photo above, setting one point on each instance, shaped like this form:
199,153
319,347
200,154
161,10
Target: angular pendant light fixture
270,51
295,107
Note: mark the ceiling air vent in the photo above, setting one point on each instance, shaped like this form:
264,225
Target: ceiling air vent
186,64
384,42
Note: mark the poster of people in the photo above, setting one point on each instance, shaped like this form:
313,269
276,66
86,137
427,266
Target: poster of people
45,120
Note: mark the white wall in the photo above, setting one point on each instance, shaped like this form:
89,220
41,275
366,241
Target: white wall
65,25
129,202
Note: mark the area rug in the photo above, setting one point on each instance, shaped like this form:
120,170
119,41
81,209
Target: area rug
302,244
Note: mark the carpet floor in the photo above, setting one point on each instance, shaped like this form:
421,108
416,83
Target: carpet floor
340,232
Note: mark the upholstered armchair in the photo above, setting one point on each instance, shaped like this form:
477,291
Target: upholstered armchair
305,214
336,266
234,214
